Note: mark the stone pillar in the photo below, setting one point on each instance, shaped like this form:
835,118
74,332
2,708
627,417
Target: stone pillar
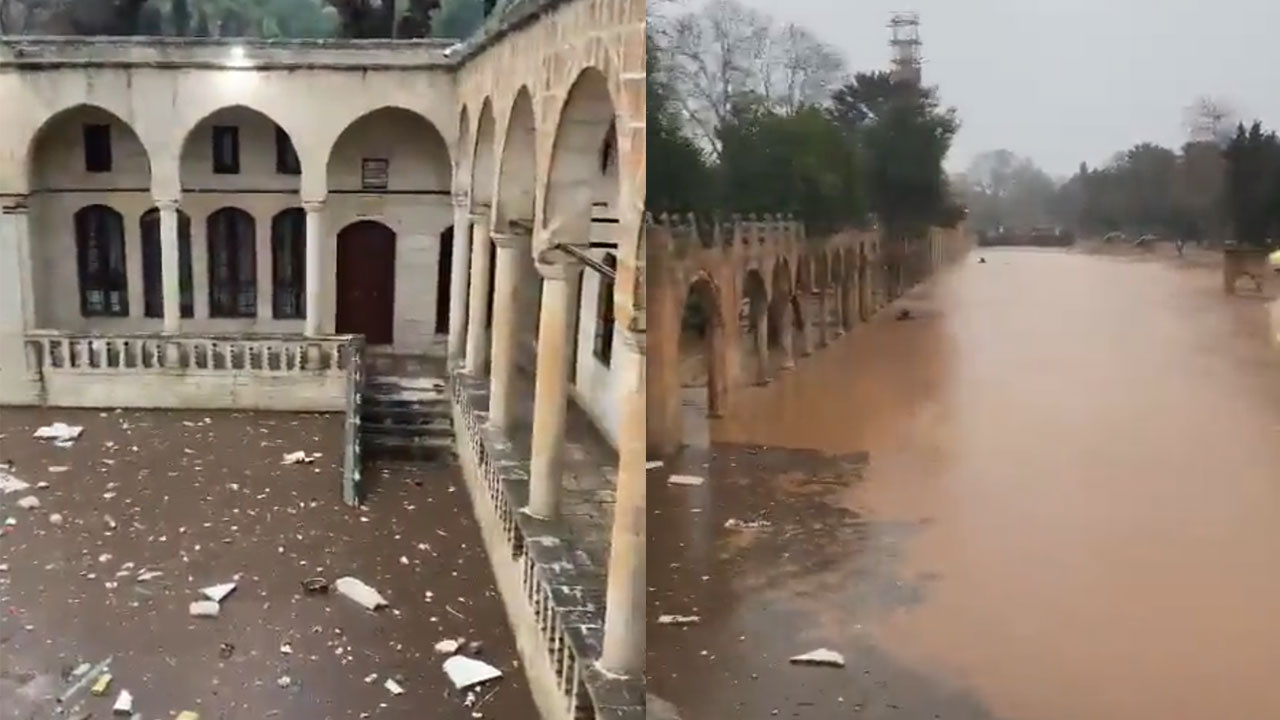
478,301
460,266
762,349
551,386
822,317
787,334
314,282
170,268
503,361
623,652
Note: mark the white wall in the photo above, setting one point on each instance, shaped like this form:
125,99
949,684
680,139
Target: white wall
596,386
417,207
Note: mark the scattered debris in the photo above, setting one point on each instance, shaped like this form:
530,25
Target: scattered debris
284,681
393,687
679,619
30,502
821,656
188,715
315,585
56,519
204,608
653,464
982,261
736,524
370,678
216,593
124,704
449,646
360,592
10,483
685,480
286,649
42,485
465,672
4,567
226,650
59,468
81,669
299,457
903,314
110,522
146,575
59,432
100,687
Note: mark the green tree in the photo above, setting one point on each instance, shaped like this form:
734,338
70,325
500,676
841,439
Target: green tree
1253,179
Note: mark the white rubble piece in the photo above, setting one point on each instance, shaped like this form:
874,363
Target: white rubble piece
449,646
465,672
284,681
60,432
679,619
653,464
736,524
56,519
218,592
10,483
821,656
298,457
146,575
42,485
124,704
692,480
393,687
59,468
204,608
30,502
360,592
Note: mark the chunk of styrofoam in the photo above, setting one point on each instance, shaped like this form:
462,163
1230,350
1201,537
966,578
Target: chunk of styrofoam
360,592
59,431
693,480
204,608
124,704
10,483
464,671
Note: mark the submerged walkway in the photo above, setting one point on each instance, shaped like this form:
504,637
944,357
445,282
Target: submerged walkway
1051,496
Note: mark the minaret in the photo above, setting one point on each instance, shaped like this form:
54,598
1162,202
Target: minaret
905,44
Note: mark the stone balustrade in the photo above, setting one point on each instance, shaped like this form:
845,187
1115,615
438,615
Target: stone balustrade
216,372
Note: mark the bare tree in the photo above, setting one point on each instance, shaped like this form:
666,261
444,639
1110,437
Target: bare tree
726,52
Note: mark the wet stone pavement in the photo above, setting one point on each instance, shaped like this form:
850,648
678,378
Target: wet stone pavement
203,498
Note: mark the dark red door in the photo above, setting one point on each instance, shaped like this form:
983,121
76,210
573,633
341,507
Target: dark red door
367,281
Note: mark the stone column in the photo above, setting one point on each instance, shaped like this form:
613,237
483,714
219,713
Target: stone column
551,386
458,269
170,268
762,348
787,333
822,317
314,282
623,652
478,301
503,361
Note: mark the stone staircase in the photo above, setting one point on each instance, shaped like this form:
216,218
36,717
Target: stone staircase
406,418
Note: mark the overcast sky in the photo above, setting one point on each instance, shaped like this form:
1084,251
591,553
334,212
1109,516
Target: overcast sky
1068,80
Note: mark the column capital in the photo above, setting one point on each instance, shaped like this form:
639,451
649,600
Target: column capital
504,240
167,204
461,199
313,206
479,214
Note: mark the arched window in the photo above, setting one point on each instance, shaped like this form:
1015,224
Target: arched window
153,269
603,346
289,265
104,282
233,264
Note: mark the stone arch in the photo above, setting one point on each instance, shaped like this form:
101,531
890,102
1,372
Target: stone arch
57,150
579,177
703,353
258,154
781,319
516,204
482,179
416,151
754,319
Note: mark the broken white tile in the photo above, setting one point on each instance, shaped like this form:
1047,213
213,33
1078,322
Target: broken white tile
286,649
448,646
124,704
653,464
295,458
821,656
42,485
10,483
204,608
56,519
59,431
736,524
360,592
393,687
59,468
216,593
464,672
30,502
685,480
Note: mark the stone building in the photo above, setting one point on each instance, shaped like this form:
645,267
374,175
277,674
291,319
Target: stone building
217,224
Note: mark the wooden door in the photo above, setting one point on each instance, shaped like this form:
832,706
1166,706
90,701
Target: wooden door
367,281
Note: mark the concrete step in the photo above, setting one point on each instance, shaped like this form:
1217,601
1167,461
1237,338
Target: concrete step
404,413
425,427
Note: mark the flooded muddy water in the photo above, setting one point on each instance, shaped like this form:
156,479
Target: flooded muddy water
1054,494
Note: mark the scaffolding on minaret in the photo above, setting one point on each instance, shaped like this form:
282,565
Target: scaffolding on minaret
905,44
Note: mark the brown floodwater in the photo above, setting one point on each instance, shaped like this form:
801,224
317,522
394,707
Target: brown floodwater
1053,495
